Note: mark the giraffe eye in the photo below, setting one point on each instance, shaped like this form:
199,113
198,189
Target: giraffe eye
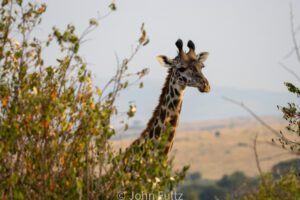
199,67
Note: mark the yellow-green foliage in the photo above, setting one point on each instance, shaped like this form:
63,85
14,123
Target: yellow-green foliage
286,187
55,124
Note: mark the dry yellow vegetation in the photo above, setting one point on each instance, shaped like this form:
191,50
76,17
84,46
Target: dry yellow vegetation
198,145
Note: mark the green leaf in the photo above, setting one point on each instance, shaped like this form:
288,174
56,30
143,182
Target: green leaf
93,22
113,6
141,85
4,2
125,85
292,88
18,195
18,54
19,2
126,127
76,47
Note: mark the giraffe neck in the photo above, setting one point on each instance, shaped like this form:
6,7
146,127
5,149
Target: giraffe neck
166,113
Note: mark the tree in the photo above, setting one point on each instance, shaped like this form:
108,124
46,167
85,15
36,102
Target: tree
291,113
55,124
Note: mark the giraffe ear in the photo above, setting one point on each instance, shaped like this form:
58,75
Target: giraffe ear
202,56
164,61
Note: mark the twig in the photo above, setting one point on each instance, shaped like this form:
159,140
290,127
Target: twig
256,155
293,32
119,74
241,104
292,49
279,146
278,134
257,161
290,71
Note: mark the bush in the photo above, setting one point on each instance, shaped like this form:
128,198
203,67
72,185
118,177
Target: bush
195,176
285,188
212,192
233,181
284,167
55,124
291,113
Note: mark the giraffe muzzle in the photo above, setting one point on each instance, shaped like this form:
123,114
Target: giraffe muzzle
205,88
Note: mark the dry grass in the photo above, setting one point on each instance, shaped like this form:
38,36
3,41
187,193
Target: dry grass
213,156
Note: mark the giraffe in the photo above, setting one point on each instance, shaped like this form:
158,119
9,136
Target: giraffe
185,70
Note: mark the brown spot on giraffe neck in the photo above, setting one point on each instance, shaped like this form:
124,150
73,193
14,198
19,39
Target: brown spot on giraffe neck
166,112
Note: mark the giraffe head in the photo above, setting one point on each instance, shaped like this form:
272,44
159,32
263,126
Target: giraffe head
187,67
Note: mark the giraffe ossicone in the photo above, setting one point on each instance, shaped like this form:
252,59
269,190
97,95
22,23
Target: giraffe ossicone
185,70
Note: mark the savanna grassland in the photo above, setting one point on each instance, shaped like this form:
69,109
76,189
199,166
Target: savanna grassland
217,147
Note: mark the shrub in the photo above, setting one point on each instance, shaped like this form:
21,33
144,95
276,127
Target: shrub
285,188
55,124
233,181
284,167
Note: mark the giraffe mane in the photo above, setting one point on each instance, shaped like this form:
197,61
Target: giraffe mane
161,101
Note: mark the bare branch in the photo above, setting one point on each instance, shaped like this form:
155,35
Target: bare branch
294,32
292,49
241,104
262,122
289,54
256,154
257,161
120,73
290,71
278,146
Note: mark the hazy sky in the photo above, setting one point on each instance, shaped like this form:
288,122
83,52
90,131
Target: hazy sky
246,39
